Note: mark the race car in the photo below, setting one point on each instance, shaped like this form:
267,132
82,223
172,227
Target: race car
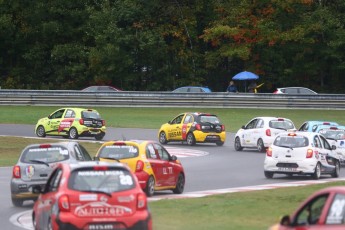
72,123
193,128
155,168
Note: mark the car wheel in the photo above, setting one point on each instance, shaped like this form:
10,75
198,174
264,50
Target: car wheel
17,202
336,170
163,138
40,131
179,184
269,175
190,139
219,143
150,186
99,136
261,146
238,146
317,173
73,133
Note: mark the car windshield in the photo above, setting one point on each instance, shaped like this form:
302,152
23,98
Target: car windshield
101,180
281,124
119,151
335,134
291,141
209,119
90,114
45,154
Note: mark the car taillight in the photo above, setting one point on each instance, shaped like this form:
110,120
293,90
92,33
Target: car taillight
64,203
81,121
103,122
268,132
45,146
309,153
100,168
197,127
269,152
140,166
142,201
16,172
223,127
275,92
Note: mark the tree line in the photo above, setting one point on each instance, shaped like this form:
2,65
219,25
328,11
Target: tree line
159,45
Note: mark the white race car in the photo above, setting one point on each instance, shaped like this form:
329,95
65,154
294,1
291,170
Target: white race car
260,132
301,153
335,136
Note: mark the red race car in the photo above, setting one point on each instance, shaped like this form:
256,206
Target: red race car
324,210
91,195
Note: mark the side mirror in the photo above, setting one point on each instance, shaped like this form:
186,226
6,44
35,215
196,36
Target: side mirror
37,189
334,147
243,127
96,158
169,122
173,158
285,221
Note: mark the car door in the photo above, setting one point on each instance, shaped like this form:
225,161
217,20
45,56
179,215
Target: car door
54,121
48,198
169,174
250,133
174,131
328,156
156,164
186,125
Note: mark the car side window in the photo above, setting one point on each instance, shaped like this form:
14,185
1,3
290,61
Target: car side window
304,127
163,154
57,114
188,119
260,124
336,212
325,143
150,152
54,181
177,120
311,212
251,125
317,142
70,114
82,153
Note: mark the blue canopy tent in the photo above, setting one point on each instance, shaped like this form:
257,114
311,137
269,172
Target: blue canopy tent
245,76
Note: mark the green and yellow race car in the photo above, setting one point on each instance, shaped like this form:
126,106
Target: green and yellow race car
72,123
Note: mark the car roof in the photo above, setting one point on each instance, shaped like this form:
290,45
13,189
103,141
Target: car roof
297,87
61,143
299,133
205,88
271,118
90,88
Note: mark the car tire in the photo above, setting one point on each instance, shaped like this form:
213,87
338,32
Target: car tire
73,133
163,138
40,131
237,145
269,175
317,172
190,139
261,146
99,137
336,172
150,186
17,202
179,184
219,143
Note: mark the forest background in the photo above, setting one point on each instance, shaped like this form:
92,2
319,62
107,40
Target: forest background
159,45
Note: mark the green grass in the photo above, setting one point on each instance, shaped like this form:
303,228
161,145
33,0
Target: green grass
153,118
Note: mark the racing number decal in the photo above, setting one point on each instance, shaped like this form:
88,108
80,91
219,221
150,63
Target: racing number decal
168,170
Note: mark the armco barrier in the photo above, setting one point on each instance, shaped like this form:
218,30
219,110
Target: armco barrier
169,99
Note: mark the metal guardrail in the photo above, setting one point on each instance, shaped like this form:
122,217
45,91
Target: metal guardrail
74,98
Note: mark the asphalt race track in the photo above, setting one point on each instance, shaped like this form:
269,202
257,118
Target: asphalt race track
207,166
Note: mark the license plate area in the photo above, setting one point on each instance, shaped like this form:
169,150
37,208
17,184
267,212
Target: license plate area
287,169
